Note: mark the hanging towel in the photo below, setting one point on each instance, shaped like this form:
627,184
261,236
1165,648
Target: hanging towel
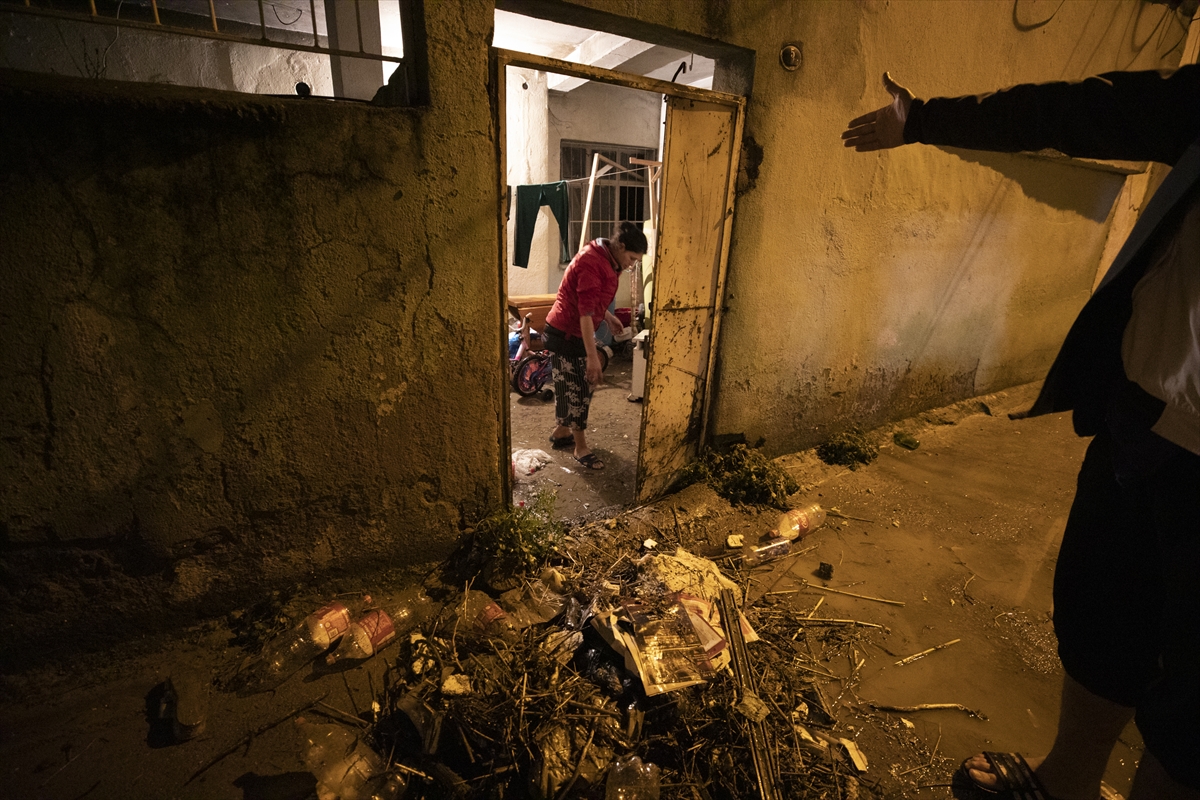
529,200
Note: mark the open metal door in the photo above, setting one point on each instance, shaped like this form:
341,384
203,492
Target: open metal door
701,146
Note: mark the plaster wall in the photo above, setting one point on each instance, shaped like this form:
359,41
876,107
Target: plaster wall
863,287
66,47
528,158
597,112
247,342
537,122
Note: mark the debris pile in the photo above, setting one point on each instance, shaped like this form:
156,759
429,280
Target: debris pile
741,475
594,664
851,448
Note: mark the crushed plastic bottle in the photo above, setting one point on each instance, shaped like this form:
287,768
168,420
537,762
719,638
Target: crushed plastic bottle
345,767
411,609
755,553
630,778
480,615
284,655
367,636
797,523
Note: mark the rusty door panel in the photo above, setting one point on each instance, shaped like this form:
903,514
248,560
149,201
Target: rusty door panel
697,205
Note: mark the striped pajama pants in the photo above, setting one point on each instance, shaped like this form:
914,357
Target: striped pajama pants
572,392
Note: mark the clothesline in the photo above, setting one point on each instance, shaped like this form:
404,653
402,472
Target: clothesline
607,174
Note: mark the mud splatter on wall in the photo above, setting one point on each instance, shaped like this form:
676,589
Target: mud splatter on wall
246,340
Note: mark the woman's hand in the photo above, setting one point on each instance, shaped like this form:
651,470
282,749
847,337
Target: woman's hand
594,375
883,128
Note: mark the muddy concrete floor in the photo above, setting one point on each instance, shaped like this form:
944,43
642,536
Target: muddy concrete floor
614,425
963,531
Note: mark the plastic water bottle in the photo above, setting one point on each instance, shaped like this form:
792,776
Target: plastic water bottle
630,778
480,615
284,655
411,609
365,638
344,766
800,522
755,553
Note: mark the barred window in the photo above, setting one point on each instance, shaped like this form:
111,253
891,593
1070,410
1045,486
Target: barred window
620,196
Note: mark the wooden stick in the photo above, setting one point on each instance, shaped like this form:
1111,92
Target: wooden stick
924,653
931,707
852,594
807,621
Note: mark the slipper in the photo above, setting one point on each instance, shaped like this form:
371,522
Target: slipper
562,443
591,461
1015,781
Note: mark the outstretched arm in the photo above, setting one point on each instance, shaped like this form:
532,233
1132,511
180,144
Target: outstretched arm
883,128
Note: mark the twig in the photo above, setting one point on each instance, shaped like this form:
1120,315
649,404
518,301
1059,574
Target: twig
343,715
814,608
249,737
931,707
852,594
807,621
924,653
840,515
70,761
578,767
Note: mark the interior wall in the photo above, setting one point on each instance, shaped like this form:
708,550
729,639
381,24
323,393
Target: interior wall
864,287
537,121
248,342
598,112
528,158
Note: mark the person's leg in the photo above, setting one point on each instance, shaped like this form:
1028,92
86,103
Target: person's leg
572,400
1088,727
582,451
1103,597
568,380
1169,716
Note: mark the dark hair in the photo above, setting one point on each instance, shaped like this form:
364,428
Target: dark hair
631,237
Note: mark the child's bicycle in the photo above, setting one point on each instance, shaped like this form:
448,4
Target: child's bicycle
531,368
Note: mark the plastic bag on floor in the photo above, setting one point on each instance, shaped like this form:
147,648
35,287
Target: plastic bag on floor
527,462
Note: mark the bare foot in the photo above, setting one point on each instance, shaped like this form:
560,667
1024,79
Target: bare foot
981,771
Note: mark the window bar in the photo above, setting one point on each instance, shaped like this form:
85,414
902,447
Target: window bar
358,21
262,20
212,12
154,8
312,10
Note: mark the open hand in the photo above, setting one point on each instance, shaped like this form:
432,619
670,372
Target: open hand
884,127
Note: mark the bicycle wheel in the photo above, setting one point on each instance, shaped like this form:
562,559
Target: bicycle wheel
528,376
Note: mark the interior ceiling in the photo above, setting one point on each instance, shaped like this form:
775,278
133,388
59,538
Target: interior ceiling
581,46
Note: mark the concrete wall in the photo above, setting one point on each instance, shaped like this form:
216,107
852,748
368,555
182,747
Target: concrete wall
863,287
252,341
86,50
528,157
598,112
247,342
537,122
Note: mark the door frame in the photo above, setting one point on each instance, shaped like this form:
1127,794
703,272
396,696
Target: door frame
498,61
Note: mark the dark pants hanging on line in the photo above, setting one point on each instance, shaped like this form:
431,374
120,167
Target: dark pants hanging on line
529,200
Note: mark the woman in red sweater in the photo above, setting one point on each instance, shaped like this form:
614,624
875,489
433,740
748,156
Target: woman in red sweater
587,289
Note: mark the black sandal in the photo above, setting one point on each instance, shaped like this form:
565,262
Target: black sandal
1015,780
591,461
562,443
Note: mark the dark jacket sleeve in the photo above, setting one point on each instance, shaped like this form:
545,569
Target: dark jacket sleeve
1135,116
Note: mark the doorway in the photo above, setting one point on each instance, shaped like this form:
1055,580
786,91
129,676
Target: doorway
683,286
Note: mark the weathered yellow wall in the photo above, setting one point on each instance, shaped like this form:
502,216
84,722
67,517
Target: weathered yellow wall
247,341
866,286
